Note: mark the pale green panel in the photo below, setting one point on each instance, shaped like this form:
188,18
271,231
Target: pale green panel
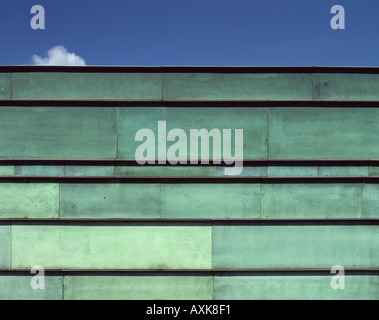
373,171
6,170
111,247
167,171
292,171
51,85
89,170
222,86
5,86
308,201
323,133
296,247
343,171
29,200
210,201
58,132
246,171
346,86
299,287
253,122
18,287
370,206
5,247
97,200
39,171
154,287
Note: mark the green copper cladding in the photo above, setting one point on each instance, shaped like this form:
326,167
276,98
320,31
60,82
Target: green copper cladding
213,238
111,247
296,246
291,287
72,86
137,287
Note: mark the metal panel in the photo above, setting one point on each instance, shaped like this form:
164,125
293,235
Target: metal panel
213,86
370,201
246,171
153,287
49,85
57,132
252,120
373,171
323,133
111,247
6,170
286,287
343,171
189,201
5,86
89,170
109,200
5,247
306,201
17,287
39,171
166,171
292,171
297,247
30,200
346,86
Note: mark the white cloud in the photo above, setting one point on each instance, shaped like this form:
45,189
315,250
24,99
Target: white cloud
58,56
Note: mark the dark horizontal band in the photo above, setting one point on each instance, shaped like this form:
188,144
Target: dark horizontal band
183,272
188,222
191,69
190,103
246,162
184,179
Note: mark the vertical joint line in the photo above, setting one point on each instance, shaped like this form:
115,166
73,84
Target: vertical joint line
160,200
59,200
12,85
162,86
117,124
10,244
313,86
267,132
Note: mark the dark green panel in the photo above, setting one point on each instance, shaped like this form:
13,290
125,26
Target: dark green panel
252,120
5,86
343,171
167,171
154,287
296,247
373,171
111,247
300,287
89,200
89,170
346,86
211,201
129,86
212,86
292,171
39,171
5,247
17,287
323,133
29,200
57,132
308,201
370,205
246,171
6,170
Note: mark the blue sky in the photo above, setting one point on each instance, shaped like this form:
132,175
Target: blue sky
194,32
